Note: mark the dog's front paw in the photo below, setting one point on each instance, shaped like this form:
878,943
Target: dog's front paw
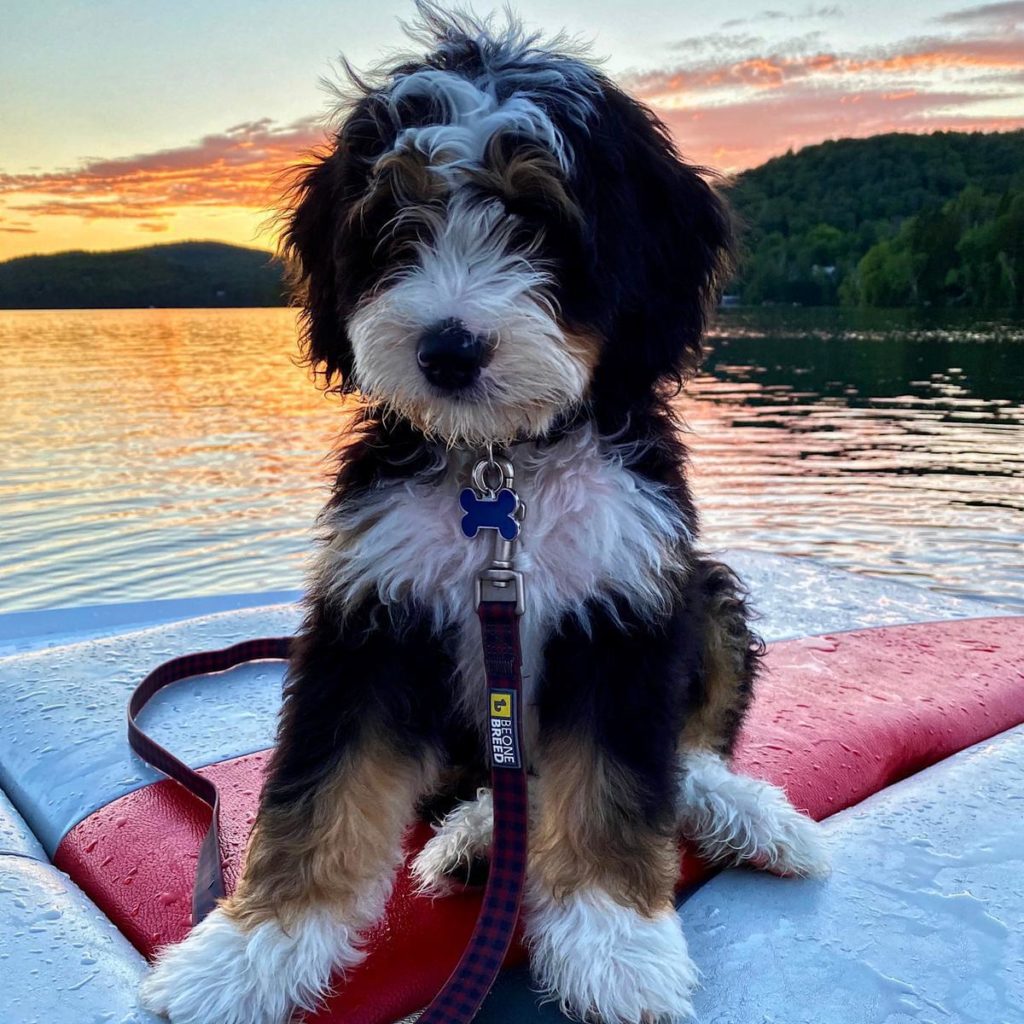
737,819
796,848
605,962
224,974
462,837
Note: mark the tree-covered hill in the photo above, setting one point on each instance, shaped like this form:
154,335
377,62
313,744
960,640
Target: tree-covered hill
939,217
182,274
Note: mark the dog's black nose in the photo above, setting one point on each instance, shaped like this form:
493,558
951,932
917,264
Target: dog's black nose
450,356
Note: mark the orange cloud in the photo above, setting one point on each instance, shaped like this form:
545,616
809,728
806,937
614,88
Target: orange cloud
775,70
235,168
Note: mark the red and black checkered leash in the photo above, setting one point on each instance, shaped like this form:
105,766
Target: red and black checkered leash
468,985
492,504
209,881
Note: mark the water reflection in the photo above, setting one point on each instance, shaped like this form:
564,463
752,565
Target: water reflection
163,453
892,446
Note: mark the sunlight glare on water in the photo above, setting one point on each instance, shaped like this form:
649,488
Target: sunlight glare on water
167,453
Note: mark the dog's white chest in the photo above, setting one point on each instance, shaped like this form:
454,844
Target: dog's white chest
593,530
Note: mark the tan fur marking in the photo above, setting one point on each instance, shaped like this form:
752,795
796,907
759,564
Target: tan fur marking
587,832
333,846
583,346
727,642
410,175
404,177
525,172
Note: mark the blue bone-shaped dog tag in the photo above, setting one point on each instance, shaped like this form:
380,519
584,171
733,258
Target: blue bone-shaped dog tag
497,513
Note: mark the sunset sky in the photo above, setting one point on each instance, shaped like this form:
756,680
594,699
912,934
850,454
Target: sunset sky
128,123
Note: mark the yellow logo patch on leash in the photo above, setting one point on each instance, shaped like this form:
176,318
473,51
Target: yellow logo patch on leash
504,735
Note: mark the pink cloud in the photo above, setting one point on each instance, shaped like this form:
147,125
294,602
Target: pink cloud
238,167
744,133
738,108
772,71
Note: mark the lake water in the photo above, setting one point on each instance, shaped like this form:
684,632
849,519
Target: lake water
167,453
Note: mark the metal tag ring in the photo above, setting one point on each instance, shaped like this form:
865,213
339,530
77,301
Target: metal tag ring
501,473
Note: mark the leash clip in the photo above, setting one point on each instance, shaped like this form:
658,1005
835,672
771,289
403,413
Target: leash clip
505,586
493,504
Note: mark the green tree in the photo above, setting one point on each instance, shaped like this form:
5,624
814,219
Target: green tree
811,217
886,275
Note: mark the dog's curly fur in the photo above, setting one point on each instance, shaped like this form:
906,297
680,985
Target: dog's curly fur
503,192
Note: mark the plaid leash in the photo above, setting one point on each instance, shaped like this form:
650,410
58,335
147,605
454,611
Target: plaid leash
209,882
467,987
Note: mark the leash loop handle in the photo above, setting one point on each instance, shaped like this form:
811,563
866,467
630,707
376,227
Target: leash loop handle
209,881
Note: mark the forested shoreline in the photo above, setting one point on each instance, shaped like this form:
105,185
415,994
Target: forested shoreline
889,221
179,275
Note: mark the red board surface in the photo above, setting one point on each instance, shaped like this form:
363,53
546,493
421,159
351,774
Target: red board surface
836,718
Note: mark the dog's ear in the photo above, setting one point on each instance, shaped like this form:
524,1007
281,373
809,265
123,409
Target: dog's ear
662,245
327,247
309,246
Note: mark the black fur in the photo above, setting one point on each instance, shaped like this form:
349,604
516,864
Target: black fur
626,683
347,682
657,240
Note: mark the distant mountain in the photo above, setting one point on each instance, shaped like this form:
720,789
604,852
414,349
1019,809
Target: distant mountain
889,220
181,274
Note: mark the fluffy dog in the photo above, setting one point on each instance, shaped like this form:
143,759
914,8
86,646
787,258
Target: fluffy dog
501,247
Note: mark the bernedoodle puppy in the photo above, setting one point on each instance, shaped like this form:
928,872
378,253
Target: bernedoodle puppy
502,251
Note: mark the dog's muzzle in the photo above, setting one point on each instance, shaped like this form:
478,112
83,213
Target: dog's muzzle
451,356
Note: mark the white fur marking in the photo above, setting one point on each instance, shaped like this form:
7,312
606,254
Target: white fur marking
463,835
529,74
736,819
470,269
470,117
601,960
222,974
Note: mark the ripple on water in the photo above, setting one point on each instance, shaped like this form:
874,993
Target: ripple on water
168,453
